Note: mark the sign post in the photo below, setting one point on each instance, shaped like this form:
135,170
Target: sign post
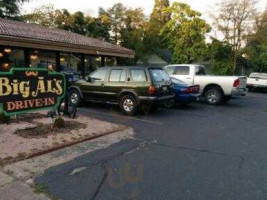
24,90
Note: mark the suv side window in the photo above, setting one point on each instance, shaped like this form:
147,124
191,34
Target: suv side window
181,70
138,75
170,70
117,75
100,74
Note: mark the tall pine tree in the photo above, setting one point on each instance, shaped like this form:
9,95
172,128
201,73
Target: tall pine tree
157,21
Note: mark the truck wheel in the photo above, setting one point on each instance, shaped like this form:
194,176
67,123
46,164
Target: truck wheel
74,97
213,96
128,105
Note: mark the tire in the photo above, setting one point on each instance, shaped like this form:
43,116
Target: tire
74,97
169,104
128,105
214,96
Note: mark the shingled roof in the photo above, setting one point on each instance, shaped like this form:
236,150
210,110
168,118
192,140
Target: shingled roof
36,36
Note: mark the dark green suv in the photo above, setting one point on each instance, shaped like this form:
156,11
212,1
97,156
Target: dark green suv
130,87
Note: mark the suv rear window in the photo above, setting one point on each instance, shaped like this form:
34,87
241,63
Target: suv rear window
138,75
159,75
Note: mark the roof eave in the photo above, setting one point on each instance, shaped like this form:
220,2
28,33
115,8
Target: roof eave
66,47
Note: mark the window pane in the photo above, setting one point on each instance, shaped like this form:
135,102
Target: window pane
11,58
200,70
123,76
170,70
99,75
159,75
115,75
138,75
42,59
181,70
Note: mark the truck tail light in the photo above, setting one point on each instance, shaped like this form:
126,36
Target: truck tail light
151,90
236,83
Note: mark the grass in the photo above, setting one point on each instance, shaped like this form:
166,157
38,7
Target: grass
41,189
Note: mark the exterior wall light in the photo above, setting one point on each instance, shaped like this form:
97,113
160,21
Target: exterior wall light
5,66
7,50
34,57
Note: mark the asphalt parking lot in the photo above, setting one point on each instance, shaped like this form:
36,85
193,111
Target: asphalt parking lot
193,152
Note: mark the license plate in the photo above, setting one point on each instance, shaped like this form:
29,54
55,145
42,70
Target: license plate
164,88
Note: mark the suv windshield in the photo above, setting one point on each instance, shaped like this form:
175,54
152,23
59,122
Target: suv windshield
159,75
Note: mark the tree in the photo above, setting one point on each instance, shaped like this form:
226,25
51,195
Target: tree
234,20
158,19
185,32
132,33
256,49
45,15
10,8
116,15
220,55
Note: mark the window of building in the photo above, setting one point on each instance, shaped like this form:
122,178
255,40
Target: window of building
11,58
42,59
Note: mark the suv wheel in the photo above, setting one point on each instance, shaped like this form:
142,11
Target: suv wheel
74,97
128,105
214,96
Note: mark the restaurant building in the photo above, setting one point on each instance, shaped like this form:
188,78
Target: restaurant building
31,45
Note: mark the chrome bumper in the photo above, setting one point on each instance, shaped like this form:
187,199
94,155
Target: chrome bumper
239,92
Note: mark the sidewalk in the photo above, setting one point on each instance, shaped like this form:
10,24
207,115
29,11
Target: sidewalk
16,179
17,190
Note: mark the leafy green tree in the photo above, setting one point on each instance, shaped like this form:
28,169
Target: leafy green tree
116,15
10,8
158,19
256,49
220,55
233,19
185,32
132,33
45,15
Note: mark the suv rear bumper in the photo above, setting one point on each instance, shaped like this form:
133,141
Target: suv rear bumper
155,99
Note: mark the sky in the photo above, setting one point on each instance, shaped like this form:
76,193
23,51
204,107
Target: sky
206,7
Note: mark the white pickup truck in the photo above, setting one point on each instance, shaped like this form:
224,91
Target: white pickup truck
215,89
257,80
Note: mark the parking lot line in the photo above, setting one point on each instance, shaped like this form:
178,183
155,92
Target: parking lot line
117,115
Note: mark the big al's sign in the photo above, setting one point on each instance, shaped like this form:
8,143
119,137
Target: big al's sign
24,89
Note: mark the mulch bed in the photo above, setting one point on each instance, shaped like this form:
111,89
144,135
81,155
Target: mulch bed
43,130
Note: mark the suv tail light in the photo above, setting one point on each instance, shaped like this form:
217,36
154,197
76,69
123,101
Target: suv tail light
236,83
151,90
